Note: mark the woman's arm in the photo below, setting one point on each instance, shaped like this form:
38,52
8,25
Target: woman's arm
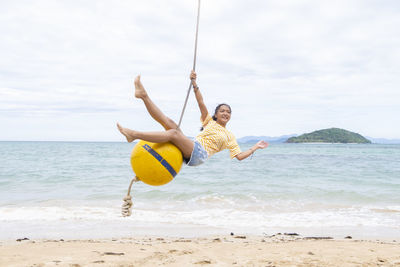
247,153
199,97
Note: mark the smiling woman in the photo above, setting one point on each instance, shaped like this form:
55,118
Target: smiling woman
214,137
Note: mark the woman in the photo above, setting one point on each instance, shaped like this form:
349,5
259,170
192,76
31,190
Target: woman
213,138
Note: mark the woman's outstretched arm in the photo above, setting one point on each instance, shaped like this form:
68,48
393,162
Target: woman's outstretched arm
247,153
199,97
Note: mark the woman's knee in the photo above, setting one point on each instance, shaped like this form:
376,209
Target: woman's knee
176,136
173,134
184,144
170,124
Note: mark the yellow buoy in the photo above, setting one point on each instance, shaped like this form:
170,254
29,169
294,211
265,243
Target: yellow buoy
156,163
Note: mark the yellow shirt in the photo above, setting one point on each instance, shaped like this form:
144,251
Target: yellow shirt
215,138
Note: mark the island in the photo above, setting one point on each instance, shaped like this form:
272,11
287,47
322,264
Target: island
332,135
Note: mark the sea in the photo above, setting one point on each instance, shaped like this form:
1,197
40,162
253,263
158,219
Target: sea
57,190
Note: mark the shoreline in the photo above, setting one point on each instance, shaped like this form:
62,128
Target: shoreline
215,250
91,229
273,238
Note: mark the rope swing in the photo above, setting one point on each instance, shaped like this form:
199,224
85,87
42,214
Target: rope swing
127,206
194,64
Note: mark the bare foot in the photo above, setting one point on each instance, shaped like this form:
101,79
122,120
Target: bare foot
126,132
140,92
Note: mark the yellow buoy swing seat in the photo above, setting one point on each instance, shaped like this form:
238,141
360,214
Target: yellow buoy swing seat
153,164
157,163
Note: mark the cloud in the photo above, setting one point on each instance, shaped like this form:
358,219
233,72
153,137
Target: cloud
286,67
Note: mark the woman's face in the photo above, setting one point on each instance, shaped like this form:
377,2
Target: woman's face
223,115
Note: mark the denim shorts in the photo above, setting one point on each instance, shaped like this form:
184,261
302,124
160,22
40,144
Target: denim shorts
199,155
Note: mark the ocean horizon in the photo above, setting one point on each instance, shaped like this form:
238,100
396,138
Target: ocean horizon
74,189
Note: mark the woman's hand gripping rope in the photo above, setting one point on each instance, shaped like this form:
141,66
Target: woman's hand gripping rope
193,77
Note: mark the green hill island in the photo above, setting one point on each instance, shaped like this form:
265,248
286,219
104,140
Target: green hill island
332,135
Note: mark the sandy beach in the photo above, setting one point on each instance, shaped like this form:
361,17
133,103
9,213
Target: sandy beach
277,250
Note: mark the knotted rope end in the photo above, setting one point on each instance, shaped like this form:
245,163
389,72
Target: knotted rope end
126,209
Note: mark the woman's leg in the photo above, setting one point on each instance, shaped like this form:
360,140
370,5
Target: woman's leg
174,136
154,111
172,133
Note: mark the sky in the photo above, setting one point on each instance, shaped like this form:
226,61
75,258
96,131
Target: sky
285,67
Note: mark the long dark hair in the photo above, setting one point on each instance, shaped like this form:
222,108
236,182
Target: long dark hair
215,112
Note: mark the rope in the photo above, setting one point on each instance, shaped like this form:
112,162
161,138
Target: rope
127,206
194,64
